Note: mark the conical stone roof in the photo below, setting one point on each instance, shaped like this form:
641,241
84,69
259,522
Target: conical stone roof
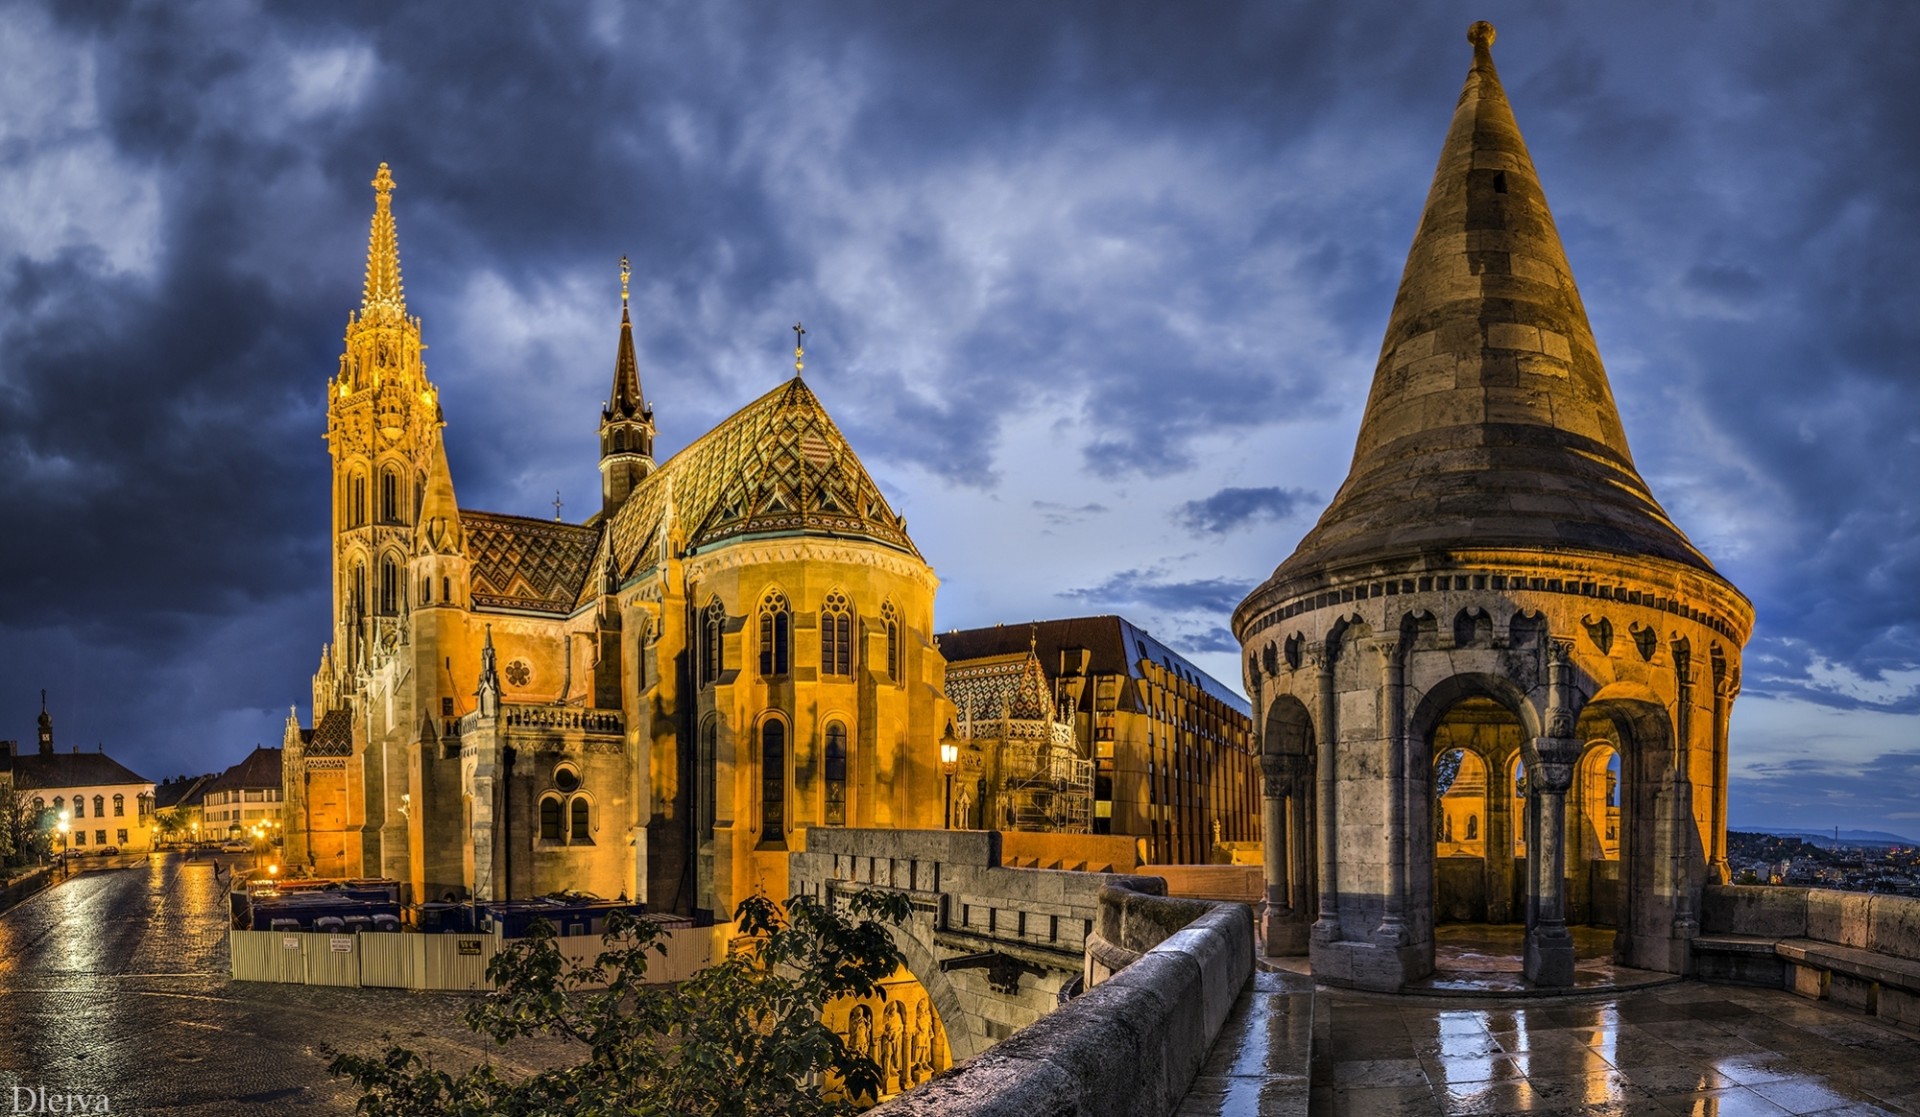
1490,423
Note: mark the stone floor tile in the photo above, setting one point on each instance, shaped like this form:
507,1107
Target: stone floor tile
1383,1101
1454,1070
1379,1072
1457,1047
1245,1097
1806,1095
1748,1070
1561,1064
1677,1078
1733,1101
1862,1109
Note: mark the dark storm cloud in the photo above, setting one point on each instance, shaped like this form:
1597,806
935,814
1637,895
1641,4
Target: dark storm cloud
1158,225
1152,588
1234,508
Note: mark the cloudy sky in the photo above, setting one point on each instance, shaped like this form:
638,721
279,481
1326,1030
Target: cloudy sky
1095,289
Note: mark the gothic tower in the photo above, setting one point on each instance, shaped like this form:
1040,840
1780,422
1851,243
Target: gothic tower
1493,591
383,418
626,422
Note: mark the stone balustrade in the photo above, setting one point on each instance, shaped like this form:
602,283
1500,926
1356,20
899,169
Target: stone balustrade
1852,948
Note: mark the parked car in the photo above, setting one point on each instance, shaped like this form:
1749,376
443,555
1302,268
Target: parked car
235,846
107,851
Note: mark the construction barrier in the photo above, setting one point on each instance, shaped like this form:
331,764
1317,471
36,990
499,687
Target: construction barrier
443,963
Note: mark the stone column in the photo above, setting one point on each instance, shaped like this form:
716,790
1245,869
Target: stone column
1326,929
1550,762
1393,923
1686,870
1282,912
1299,868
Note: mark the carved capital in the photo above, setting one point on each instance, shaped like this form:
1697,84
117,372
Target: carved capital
1550,762
1282,772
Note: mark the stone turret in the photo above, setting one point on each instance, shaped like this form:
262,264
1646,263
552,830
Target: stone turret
1463,593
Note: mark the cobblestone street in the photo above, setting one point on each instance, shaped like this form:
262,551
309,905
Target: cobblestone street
115,983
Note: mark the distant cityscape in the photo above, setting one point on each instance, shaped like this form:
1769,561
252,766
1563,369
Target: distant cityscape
1853,861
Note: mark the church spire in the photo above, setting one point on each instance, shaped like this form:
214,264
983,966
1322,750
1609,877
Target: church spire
626,422
1490,422
383,250
625,399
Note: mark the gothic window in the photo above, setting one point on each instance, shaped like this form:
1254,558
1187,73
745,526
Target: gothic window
357,500
773,780
712,627
99,806
704,778
891,618
426,591
389,496
579,831
389,586
446,590
549,819
836,765
357,589
836,635
776,633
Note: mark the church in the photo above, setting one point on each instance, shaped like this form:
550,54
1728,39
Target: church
653,704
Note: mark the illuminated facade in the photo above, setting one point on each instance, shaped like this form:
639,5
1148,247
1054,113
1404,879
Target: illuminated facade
735,648
1170,748
107,805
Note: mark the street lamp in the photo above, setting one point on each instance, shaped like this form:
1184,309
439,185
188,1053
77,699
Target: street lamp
949,760
64,827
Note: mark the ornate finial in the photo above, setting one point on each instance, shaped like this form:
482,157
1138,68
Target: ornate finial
383,249
1033,639
1481,34
799,348
557,502
626,272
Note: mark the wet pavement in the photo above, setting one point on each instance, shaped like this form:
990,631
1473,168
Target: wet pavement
1687,1048
115,983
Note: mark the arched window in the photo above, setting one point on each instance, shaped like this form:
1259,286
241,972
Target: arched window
776,633
713,626
836,765
704,781
836,635
773,781
99,806
357,500
389,586
119,806
59,802
891,617
357,589
549,819
389,496
579,831
39,804
79,806
426,590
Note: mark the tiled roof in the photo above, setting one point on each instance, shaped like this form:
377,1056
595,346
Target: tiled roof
334,735
34,771
187,791
1115,646
776,466
261,768
524,563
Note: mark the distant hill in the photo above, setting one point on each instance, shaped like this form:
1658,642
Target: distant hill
1854,839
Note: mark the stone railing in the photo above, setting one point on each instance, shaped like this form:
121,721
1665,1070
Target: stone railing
1130,1046
517,716
1853,948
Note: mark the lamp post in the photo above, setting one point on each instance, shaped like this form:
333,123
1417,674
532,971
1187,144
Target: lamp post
64,827
949,760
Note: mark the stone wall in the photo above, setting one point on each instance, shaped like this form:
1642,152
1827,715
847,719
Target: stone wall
1129,1047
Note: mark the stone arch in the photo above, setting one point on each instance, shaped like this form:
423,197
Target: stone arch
1288,729
1494,888
1472,627
966,1035
1661,850
1450,691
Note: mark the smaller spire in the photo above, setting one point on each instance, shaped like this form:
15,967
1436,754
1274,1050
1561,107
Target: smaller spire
626,401
440,529
799,348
